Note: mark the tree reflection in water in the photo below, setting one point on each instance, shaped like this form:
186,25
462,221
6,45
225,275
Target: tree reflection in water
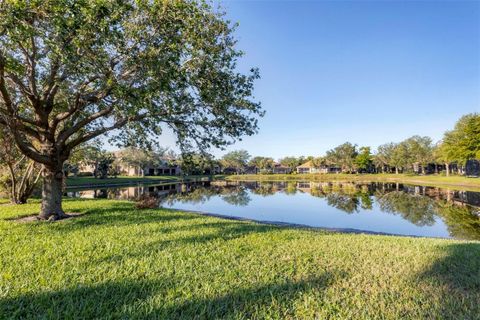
197,194
419,210
419,205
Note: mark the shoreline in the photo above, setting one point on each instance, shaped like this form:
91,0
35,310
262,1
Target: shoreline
430,181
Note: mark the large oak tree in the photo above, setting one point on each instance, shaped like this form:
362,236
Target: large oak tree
72,70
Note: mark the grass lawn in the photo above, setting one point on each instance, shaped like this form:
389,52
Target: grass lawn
454,182
83,181
119,262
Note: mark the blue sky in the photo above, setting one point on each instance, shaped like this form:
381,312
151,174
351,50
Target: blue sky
364,72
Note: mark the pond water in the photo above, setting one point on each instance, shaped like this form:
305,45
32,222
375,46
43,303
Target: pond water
390,208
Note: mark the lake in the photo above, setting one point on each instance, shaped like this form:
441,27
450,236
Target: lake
384,208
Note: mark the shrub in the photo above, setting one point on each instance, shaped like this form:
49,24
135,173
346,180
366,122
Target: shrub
146,201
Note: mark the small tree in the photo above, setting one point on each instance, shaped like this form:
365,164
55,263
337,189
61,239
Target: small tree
291,162
400,157
463,142
420,151
443,153
320,162
344,156
18,174
385,156
103,166
197,163
135,157
262,163
236,159
364,159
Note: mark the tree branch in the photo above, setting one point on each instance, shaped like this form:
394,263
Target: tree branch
65,134
120,123
3,87
29,150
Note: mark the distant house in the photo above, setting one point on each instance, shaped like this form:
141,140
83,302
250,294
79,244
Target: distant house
158,170
121,168
308,167
279,169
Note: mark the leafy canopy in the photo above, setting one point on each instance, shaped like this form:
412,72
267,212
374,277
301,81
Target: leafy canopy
72,70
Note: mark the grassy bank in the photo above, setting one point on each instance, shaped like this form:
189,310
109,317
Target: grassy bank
91,181
454,182
119,262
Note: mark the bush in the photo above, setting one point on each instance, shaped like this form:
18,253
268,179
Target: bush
147,202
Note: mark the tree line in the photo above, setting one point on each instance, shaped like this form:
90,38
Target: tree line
417,154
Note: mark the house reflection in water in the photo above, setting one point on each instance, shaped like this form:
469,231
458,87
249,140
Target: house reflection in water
134,192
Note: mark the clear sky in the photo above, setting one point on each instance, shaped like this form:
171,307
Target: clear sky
364,72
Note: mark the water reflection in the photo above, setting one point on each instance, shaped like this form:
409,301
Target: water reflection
429,211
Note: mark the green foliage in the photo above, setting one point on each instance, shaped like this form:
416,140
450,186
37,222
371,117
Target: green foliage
364,159
385,156
137,64
237,159
198,163
320,162
292,162
463,142
262,163
343,156
141,158
103,167
419,151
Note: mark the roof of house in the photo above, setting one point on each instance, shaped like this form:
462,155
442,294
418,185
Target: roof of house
308,164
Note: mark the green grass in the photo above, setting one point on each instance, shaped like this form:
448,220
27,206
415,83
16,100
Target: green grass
91,181
454,182
119,262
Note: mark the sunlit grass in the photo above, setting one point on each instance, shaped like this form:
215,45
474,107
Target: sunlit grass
119,262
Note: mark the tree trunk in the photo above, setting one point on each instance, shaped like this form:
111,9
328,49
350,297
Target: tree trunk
13,187
396,170
52,195
447,169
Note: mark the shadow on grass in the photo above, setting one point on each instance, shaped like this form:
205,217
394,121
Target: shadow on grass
119,214
457,277
149,300
208,234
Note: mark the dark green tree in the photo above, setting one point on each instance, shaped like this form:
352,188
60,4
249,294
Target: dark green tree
364,159
463,142
265,164
73,70
237,159
343,156
292,162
